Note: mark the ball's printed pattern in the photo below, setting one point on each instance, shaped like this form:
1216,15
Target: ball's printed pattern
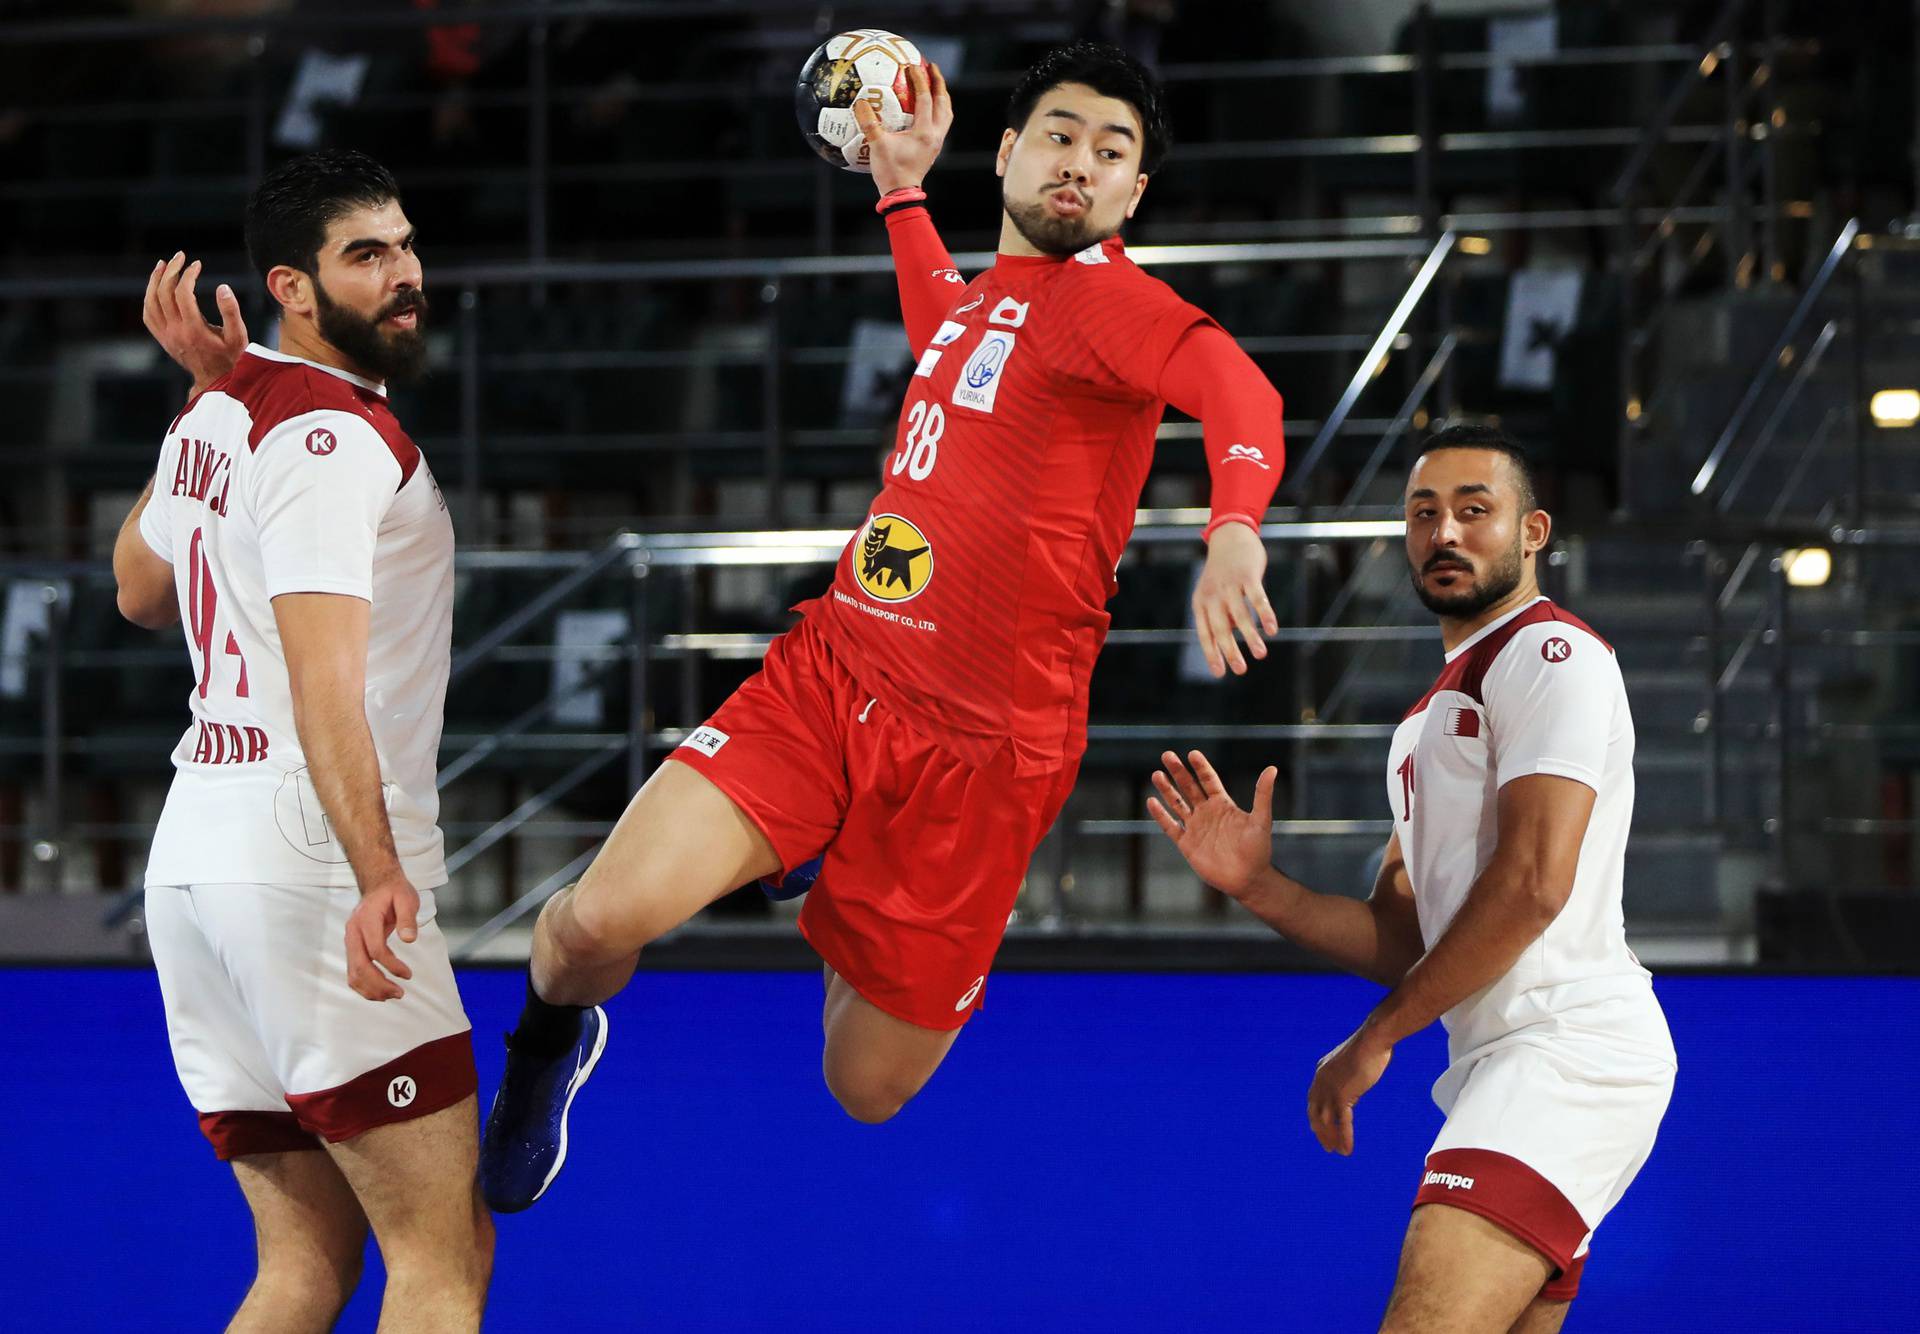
867,64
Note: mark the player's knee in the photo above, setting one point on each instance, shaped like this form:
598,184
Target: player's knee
451,1279
605,922
447,1259
584,932
307,1280
869,1106
868,1099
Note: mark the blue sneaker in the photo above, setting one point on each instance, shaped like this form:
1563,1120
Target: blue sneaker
524,1144
795,882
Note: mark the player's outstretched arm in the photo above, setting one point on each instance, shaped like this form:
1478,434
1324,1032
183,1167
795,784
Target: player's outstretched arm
1232,850
144,579
325,638
1543,821
1210,378
172,315
901,160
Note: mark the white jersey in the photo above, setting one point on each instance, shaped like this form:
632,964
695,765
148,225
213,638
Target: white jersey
1535,692
291,477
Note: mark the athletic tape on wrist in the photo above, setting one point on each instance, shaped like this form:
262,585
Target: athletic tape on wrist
906,194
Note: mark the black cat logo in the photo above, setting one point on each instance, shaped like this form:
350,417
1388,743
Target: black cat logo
892,553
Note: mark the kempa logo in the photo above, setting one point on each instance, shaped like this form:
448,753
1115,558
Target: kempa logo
1450,1180
402,1091
1556,650
321,442
972,992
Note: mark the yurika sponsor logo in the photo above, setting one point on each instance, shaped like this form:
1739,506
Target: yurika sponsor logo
979,384
986,365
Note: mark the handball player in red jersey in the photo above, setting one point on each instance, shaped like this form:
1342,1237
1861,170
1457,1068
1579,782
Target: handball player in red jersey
920,728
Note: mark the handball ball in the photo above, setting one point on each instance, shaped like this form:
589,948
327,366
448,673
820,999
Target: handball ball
868,65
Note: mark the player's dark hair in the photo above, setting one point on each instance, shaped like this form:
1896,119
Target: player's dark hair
1479,435
290,210
1110,72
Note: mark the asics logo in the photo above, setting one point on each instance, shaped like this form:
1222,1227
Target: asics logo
972,992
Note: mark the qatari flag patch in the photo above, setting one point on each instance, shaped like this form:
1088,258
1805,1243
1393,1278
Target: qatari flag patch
1463,722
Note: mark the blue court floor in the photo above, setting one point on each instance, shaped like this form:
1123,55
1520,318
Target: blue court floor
1102,1152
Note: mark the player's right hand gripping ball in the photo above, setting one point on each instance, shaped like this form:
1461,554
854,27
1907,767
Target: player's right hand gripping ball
865,64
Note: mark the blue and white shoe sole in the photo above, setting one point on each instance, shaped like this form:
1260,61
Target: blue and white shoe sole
573,1087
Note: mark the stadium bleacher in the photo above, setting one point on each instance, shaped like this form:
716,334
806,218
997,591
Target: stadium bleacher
654,312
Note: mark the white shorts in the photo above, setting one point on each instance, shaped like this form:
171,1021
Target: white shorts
271,1044
1546,1130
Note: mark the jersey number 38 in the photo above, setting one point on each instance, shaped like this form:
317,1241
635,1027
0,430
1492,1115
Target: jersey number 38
920,449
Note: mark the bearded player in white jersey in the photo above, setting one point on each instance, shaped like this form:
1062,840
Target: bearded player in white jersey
297,532
1497,910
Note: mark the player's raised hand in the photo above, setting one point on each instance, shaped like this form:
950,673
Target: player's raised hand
1230,598
382,910
1343,1077
1226,846
902,158
172,315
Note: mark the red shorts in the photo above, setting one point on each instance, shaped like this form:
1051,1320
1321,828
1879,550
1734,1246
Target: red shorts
924,855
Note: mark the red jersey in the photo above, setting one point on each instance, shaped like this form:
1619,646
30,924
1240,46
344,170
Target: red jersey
974,596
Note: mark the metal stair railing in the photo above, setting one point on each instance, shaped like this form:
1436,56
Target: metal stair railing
1724,55
1295,486
1777,359
1809,366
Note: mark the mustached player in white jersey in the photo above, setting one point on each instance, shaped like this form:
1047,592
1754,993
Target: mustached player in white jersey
297,532
1497,910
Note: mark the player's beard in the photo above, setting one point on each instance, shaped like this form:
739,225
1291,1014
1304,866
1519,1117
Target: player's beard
1482,593
398,355
1048,232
